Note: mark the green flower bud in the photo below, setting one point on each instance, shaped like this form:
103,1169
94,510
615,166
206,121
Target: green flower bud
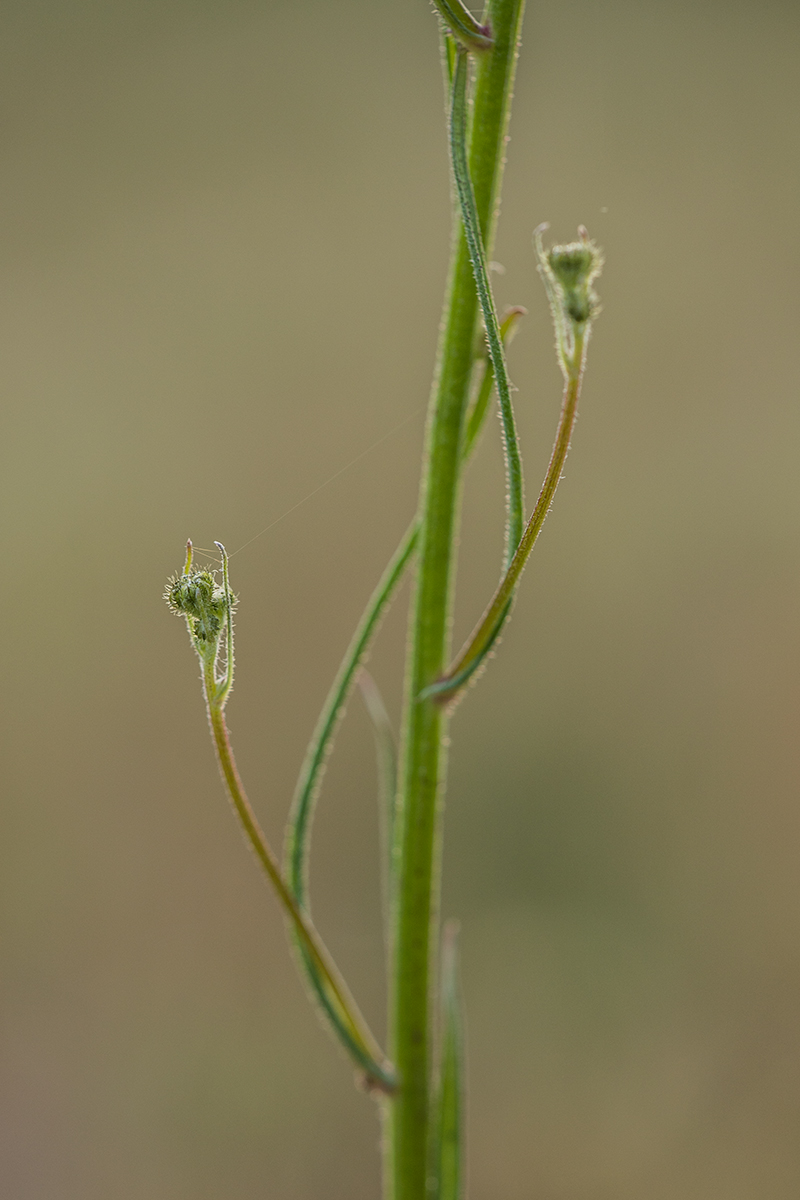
573,268
572,264
568,272
200,599
197,596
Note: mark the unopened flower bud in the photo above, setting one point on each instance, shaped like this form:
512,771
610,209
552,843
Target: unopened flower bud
568,272
197,596
574,267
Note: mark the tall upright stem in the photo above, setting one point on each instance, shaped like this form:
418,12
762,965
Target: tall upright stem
418,817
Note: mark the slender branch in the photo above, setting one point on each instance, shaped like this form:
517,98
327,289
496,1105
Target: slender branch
359,1039
480,641
208,610
568,273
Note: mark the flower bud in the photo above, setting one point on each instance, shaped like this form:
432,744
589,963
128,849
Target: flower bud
568,273
459,21
574,267
197,596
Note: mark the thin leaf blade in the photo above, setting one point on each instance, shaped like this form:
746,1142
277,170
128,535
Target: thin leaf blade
448,1139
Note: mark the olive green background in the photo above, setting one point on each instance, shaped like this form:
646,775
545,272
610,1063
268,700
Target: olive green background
224,241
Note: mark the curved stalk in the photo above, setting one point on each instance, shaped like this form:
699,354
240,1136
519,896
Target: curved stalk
479,643
208,611
337,999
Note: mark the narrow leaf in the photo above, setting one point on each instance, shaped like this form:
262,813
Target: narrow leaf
449,1115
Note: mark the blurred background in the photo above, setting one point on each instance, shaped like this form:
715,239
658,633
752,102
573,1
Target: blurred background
224,241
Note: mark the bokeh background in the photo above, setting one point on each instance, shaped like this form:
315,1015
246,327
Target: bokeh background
224,241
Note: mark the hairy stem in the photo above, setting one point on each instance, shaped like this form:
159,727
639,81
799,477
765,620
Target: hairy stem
417,823
301,817
485,632
337,999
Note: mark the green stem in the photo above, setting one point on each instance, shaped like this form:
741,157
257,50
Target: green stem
485,632
417,824
337,998
301,816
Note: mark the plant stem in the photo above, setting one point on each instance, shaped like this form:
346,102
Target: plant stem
417,822
298,830
485,632
337,999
